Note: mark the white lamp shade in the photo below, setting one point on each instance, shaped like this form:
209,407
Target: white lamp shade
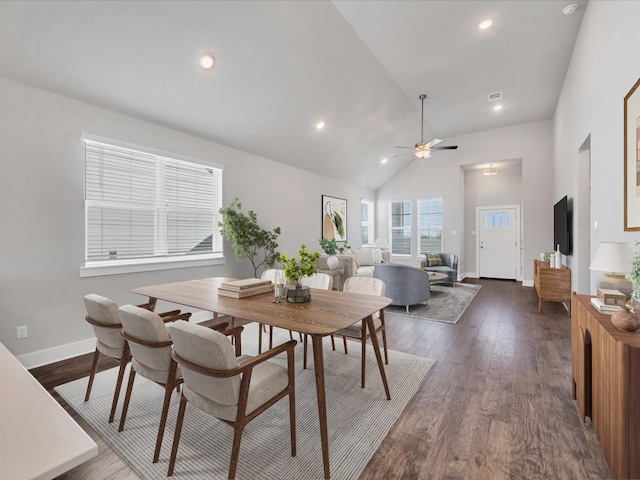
381,243
612,257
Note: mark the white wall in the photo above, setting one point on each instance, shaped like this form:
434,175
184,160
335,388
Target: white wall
604,67
531,144
42,212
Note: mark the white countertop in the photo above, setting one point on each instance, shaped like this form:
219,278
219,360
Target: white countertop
38,439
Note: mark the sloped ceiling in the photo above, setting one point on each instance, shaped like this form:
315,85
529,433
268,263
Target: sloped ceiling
282,66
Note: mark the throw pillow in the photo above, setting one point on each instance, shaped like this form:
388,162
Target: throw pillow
355,259
377,255
365,257
434,260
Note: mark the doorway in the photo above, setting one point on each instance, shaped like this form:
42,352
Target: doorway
498,242
582,231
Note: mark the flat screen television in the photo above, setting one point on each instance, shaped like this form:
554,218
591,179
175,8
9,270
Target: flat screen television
562,226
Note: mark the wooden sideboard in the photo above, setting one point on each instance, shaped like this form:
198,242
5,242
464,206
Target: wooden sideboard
605,368
552,284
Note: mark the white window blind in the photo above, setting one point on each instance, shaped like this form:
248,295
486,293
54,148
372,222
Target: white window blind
142,205
430,225
368,222
400,214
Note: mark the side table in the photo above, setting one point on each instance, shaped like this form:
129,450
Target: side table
336,273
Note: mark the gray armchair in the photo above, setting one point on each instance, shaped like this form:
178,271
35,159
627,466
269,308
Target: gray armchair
404,284
449,266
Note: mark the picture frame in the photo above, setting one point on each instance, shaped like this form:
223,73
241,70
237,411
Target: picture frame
632,159
334,218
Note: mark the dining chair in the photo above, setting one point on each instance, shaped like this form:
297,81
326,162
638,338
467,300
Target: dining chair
150,346
321,281
231,388
359,331
102,315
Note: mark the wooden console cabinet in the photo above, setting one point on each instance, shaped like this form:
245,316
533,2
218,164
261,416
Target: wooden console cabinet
552,284
605,368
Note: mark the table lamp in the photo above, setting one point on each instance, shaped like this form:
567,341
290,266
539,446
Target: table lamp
381,243
614,259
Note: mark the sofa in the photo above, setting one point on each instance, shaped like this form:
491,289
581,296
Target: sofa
404,284
446,263
357,263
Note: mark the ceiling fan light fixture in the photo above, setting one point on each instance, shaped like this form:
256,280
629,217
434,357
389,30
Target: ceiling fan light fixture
490,171
423,154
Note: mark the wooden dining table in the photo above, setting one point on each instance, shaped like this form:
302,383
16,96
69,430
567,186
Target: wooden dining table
328,312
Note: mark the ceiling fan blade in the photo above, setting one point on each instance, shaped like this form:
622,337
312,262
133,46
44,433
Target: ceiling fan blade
433,142
403,147
401,154
444,147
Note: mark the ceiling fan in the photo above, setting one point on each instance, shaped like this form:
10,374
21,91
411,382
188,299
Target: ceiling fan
423,150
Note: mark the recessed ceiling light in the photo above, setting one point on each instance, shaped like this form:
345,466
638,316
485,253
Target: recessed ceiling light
384,160
320,125
570,9
486,24
206,60
497,107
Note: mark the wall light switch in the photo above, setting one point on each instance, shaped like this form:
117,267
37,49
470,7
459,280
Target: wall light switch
453,232
473,232
595,224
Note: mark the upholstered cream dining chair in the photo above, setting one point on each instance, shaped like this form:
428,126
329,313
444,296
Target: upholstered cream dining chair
102,315
150,345
230,388
359,331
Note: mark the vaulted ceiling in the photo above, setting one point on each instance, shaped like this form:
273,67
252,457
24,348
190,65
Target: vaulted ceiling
283,66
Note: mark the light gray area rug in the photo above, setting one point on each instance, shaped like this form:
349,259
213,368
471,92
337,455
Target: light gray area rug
447,304
358,419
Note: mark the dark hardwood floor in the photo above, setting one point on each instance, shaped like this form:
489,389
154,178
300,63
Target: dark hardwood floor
496,405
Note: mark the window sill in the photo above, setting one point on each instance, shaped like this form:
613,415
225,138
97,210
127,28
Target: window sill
96,269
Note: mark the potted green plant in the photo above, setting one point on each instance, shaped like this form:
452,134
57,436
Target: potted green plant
331,248
295,269
249,240
634,276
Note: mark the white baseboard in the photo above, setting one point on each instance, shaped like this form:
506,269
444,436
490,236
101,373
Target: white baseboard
469,275
70,350
55,354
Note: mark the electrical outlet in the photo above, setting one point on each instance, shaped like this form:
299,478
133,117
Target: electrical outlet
21,332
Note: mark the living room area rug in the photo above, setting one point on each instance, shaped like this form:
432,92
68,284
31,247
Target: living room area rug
446,304
358,419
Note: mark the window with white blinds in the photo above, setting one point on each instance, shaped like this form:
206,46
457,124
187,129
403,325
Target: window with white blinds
144,206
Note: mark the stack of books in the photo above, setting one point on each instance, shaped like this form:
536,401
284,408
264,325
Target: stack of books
245,288
604,308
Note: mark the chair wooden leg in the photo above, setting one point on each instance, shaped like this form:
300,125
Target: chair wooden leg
364,351
127,397
333,343
344,340
238,428
270,337
384,345
116,395
176,435
94,369
292,401
260,325
304,355
168,390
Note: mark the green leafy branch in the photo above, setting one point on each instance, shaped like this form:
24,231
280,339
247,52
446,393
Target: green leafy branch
294,270
330,247
249,240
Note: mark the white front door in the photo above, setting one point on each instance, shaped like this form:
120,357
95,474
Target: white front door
498,242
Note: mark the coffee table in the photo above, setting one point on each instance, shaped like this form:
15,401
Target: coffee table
435,277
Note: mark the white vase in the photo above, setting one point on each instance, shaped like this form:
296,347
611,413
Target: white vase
333,262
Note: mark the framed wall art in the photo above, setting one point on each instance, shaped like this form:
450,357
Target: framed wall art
334,218
632,159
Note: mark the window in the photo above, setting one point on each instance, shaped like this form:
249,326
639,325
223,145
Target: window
497,220
430,225
147,207
368,222
401,227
